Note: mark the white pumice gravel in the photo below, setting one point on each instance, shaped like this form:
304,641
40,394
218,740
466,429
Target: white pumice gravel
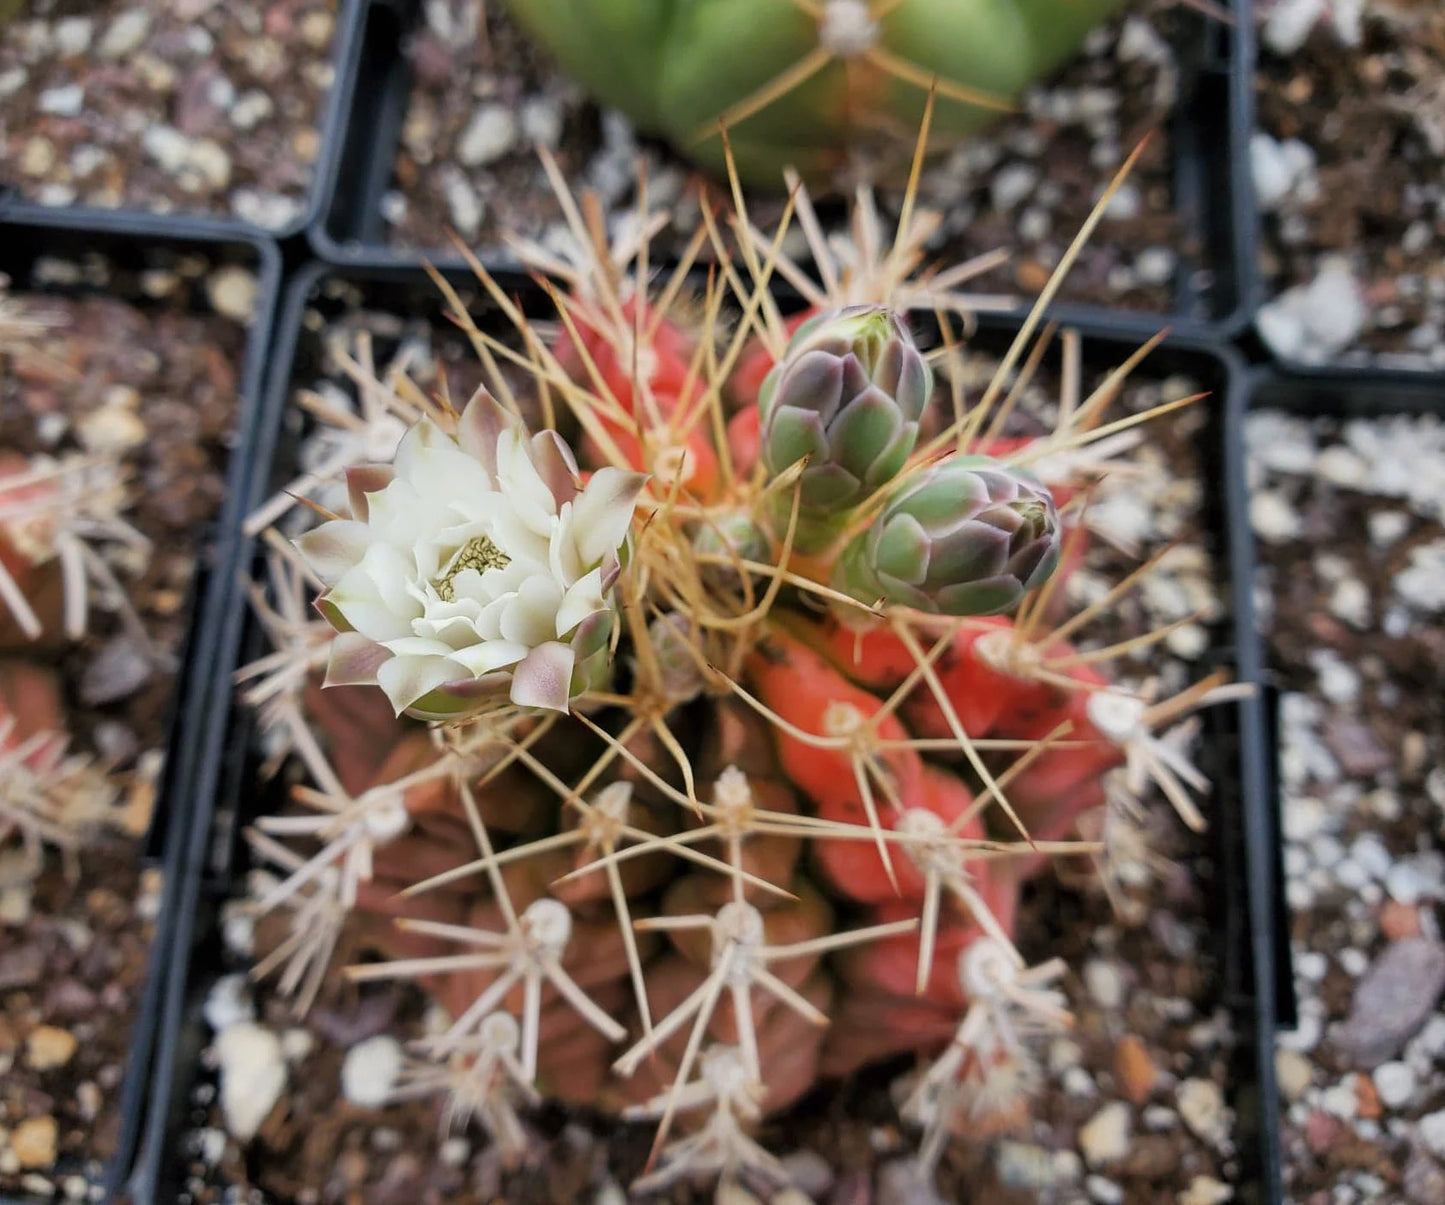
1358,741
369,1073
253,1076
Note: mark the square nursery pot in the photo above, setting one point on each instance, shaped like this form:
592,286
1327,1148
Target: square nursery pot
1213,286
333,121
224,797
1341,394
74,254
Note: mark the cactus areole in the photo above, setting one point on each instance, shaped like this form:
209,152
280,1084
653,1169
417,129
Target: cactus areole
804,85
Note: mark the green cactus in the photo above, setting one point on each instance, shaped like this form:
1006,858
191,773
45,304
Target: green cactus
800,84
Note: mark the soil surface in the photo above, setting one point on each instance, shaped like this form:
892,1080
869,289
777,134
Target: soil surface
184,106
1133,1104
148,370
478,106
1352,550
1349,168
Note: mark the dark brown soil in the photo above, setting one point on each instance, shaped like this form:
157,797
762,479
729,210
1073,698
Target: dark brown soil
77,958
188,106
1374,116
1062,153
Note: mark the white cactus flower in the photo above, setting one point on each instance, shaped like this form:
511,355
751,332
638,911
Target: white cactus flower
474,564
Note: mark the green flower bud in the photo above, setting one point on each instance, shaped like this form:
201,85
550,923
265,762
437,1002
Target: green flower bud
847,396
969,536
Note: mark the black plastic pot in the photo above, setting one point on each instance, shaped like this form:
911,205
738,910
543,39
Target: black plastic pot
1209,133
223,797
334,123
130,243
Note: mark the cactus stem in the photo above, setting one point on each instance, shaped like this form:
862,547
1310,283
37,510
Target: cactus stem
991,786
776,88
910,73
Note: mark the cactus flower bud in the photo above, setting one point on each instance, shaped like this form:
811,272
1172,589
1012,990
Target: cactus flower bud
969,536
847,396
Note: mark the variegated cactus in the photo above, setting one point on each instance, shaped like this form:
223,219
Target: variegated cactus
806,83
778,827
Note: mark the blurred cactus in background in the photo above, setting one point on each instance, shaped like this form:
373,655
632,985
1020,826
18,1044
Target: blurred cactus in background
807,83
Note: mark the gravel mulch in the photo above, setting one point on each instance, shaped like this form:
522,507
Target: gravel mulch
465,161
1351,522
1349,169
145,374
175,106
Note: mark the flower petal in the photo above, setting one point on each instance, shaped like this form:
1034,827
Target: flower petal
363,479
556,465
354,660
482,421
583,598
489,656
355,597
544,678
406,679
602,513
532,617
334,547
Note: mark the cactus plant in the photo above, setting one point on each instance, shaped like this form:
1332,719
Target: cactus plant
766,819
804,83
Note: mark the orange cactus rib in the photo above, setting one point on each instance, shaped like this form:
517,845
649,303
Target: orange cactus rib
854,867
809,694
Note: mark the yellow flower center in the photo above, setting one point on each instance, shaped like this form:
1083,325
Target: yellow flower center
478,553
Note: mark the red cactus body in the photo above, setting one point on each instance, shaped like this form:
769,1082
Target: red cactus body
39,581
1060,784
809,693
889,968
881,661
855,868
663,362
30,698
745,438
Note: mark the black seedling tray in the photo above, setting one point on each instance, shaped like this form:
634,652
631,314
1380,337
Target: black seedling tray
1209,132
131,243
334,122
223,797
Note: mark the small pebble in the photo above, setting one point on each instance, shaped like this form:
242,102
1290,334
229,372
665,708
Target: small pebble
33,1141
1104,982
1395,1083
1201,1105
1295,1073
228,1002
232,293
1104,1138
905,1182
369,1073
1205,1190
809,1171
125,34
1431,1132
490,134
49,1046
1106,1192
253,1076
